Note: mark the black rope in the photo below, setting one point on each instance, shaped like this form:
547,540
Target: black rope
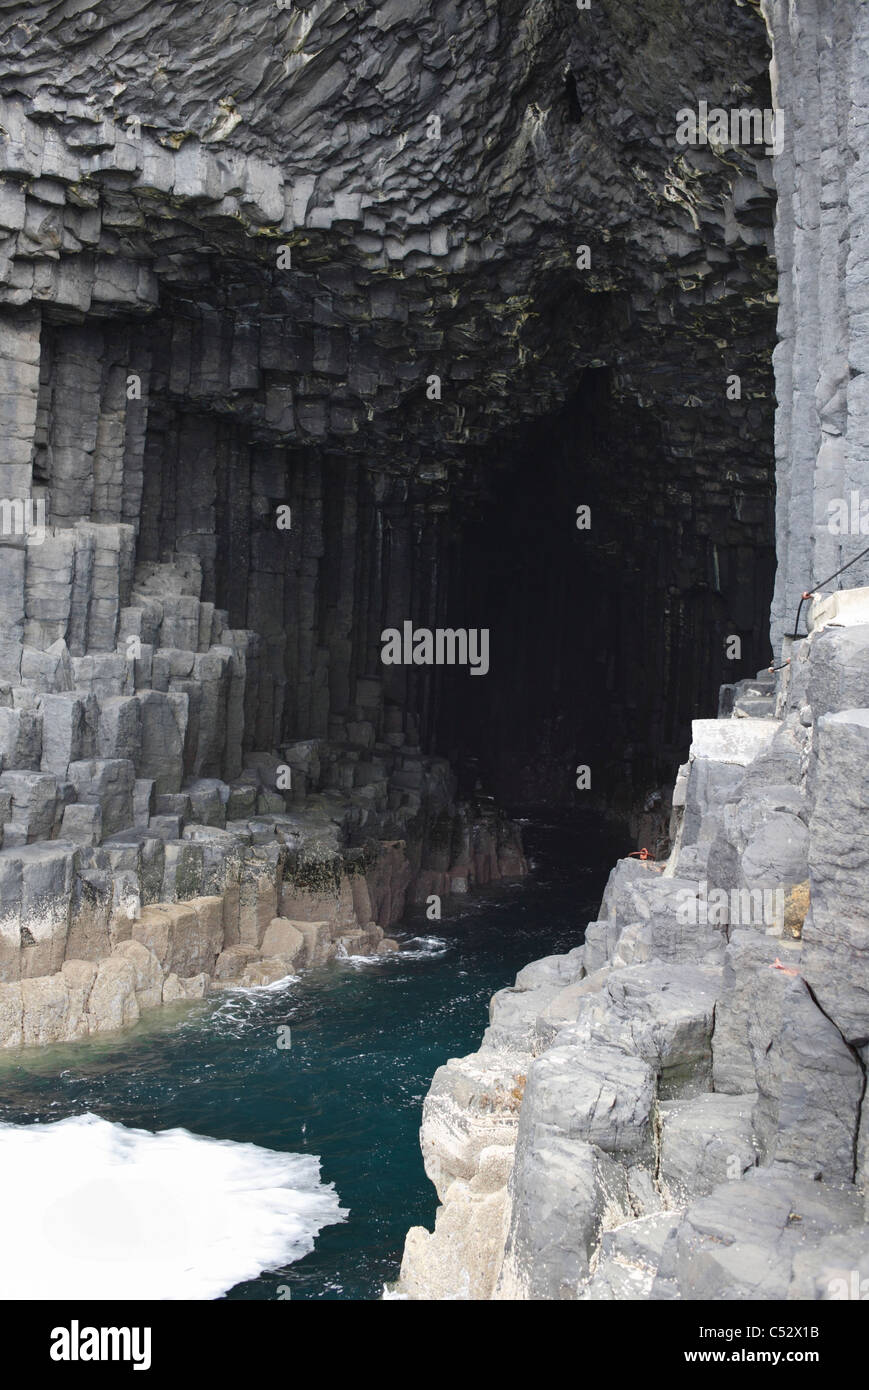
796,635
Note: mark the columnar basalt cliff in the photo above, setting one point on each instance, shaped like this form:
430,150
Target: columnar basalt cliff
677,1107
229,284
308,317
323,319
820,76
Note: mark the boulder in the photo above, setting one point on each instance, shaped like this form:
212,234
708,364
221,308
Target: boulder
82,824
552,970
838,670
35,805
119,732
513,1015
147,973
319,946
112,1003
231,962
175,989
264,972
183,864
45,1010
21,740
668,925
186,938
107,783
762,842
284,939
835,1270
164,725
208,798
39,882
462,1257
11,1014
709,785
472,1104
78,977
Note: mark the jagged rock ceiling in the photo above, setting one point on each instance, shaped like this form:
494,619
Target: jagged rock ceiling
285,220
309,127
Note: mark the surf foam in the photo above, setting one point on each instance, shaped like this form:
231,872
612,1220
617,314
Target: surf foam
98,1210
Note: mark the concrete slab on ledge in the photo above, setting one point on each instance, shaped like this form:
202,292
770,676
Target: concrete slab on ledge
846,608
736,741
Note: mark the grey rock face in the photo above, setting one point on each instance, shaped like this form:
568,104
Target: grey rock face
762,841
556,970
562,1191
709,786
811,1087
705,1141
748,1011
598,1094
838,673
743,1240
473,1104
645,916
513,1016
837,1269
663,1013
820,361
836,934
628,1258
731,1099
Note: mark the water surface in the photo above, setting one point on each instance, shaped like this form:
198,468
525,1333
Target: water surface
365,1038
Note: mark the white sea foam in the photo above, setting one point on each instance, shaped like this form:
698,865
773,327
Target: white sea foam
253,991
358,962
97,1210
419,947
238,1012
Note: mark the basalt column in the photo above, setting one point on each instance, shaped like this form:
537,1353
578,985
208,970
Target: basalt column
328,328
822,425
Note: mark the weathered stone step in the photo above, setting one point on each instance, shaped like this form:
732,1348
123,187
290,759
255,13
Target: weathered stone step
755,707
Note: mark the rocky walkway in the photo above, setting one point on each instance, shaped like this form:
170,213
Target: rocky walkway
675,1108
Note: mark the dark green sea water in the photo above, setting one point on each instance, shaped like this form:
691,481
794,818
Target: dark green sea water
366,1037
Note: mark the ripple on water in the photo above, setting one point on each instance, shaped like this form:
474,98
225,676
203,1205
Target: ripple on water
291,1135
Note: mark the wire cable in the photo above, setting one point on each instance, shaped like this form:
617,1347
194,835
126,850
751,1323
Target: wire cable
796,635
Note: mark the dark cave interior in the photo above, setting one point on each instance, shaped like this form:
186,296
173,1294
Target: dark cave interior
301,386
